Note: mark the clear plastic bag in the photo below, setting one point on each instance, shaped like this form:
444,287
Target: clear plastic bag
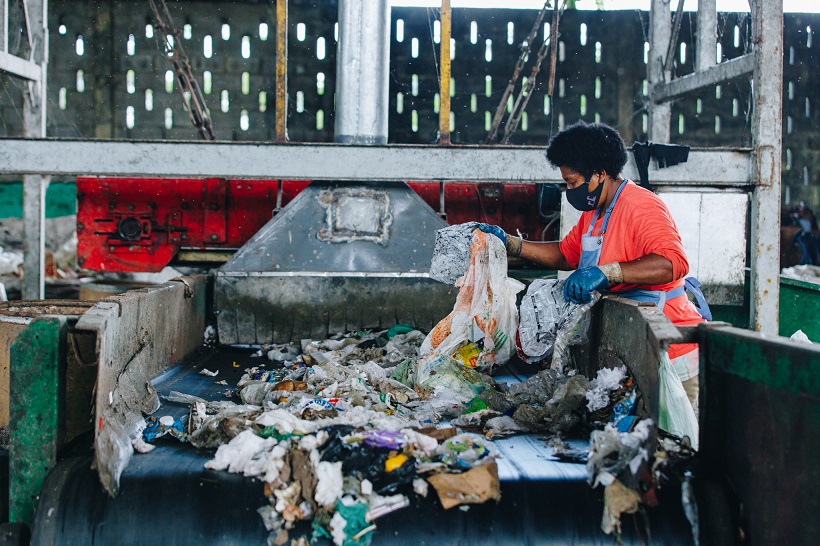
443,373
675,414
549,324
485,309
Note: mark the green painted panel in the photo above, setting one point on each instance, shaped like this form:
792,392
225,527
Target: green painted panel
777,363
37,358
799,308
61,199
736,315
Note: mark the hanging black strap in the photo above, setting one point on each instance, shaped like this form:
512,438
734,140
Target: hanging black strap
667,155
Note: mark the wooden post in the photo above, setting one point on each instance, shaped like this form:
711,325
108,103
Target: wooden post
281,131
444,84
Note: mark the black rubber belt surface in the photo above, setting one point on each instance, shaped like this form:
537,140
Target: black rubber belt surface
168,497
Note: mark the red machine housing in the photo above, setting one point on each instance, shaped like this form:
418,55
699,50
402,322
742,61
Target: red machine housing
142,224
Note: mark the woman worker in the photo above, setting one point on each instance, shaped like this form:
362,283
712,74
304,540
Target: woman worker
626,242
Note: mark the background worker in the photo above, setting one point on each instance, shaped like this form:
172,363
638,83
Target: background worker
625,243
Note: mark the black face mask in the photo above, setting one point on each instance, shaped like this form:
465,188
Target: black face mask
583,199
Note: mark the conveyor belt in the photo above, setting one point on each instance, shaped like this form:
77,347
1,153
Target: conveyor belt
167,496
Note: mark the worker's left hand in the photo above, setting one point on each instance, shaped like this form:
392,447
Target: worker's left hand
578,286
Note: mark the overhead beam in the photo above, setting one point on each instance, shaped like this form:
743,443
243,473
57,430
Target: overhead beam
728,70
327,161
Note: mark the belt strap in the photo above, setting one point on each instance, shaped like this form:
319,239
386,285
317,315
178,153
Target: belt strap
693,285
658,297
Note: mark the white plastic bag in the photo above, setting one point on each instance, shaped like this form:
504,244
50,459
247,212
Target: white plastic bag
675,413
485,310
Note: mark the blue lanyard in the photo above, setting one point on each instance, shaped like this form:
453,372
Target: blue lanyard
608,211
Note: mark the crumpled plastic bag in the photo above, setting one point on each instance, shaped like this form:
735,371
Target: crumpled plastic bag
485,308
606,381
11,260
675,412
451,254
800,336
549,324
612,453
443,373
466,450
537,389
561,413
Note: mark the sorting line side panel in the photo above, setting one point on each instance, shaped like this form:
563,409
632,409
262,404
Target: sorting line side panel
760,431
139,334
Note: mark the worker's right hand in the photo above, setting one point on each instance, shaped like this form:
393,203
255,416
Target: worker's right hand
495,230
579,286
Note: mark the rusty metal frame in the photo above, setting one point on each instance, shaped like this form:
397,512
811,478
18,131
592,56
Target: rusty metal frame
519,65
767,133
193,101
766,62
34,71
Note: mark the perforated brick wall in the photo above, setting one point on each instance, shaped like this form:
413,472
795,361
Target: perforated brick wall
107,77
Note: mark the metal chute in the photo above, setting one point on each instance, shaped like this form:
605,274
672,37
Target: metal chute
339,257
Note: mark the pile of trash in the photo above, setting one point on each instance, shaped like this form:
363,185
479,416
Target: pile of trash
810,273
344,430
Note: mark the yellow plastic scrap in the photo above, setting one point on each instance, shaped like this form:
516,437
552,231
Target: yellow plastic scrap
468,355
393,463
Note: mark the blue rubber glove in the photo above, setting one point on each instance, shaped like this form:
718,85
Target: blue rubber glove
495,230
578,286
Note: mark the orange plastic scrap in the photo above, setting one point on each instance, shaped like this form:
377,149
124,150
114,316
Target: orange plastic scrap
484,308
441,330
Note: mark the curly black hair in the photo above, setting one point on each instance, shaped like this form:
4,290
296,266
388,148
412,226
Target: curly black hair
588,148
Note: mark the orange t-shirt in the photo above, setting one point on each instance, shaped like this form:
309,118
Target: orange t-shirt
640,224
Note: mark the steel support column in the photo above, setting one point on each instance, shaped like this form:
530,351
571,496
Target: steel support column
34,126
34,237
362,72
4,26
706,37
767,132
660,33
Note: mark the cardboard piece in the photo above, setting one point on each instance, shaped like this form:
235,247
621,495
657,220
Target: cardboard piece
475,486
